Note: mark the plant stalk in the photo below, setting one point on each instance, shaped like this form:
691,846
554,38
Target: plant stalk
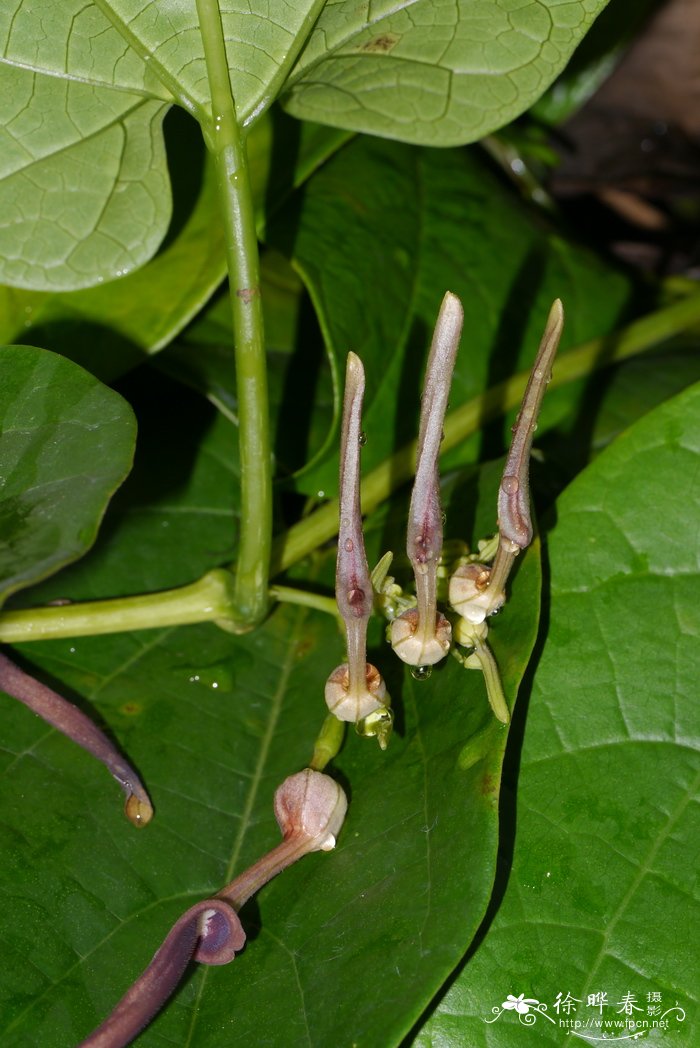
209,599
226,143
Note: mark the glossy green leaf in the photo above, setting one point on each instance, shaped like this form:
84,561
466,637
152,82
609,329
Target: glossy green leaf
432,72
214,723
175,517
66,443
378,262
602,893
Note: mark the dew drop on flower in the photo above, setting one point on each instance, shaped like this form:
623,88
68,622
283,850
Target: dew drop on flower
421,672
349,545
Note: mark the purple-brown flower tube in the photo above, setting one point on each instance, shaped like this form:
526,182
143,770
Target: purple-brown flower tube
421,636
68,719
476,597
310,809
355,689
209,932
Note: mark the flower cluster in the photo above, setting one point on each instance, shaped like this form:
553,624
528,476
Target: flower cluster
421,634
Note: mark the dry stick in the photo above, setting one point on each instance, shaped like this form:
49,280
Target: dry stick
68,719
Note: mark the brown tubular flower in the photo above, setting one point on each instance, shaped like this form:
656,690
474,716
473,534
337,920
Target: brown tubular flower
68,719
475,598
421,636
355,689
310,808
209,932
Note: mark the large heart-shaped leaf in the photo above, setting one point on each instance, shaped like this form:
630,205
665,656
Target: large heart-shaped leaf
433,72
85,86
66,444
214,723
601,895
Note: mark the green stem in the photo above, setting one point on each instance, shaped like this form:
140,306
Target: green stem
287,595
492,679
320,526
225,141
210,599
327,745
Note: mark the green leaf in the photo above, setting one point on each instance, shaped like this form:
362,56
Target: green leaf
377,264
434,73
85,87
111,327
600,896
67,443
214,723
64,140
184,500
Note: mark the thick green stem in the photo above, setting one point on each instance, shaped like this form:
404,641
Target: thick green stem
210,599
225,141
302,538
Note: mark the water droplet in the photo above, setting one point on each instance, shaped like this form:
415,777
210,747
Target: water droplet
363,439
421,672
320,494
72,651
510,485
349,545
194,678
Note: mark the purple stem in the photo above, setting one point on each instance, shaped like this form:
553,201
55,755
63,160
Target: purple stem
209,932
68,719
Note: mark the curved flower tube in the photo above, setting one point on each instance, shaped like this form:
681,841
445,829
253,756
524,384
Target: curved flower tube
209,932
72,722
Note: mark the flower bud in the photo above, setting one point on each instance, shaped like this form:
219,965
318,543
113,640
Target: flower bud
353,702
311,806
417,646
469,592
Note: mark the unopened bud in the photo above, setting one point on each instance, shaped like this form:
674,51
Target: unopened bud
354,703
416,646
311,806
470,594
